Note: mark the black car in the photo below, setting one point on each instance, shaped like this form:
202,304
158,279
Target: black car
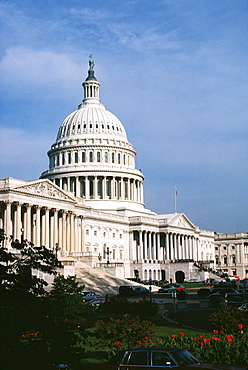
157,358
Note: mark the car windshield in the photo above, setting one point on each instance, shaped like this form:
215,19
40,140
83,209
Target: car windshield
183,357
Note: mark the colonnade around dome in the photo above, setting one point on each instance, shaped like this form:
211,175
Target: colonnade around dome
102,187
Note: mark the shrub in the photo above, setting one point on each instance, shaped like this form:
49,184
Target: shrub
228,320
125,332
218,348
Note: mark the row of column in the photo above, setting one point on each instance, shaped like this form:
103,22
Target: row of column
50,227
164,246
102,187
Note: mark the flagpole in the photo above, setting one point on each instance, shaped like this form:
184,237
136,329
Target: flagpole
175,199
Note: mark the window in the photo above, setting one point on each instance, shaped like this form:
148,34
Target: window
98,157
162,359
69,157
91,156
113,235
63,158
114,254
136,358
76,157
87,232
113,157
119,158
83,156
95,233
120,236
124,159
106,157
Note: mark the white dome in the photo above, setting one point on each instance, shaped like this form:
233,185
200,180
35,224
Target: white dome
93,158
91,120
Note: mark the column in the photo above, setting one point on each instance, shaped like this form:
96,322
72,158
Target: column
47,227
167,250
17,222
104,187
56,228
43,228
77,186
113,188
64,231
37,239
72,239
82,235
172,254
150,245
68,231
27,227
7,221
52,229
60,230
95,191
87,187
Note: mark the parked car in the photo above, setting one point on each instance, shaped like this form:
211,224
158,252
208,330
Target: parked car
243,307
88,296
126,290
215,299
157,358
131,291
141,291
169,288
96,302
234,299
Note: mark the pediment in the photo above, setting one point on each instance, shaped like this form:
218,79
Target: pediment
44,188
180,220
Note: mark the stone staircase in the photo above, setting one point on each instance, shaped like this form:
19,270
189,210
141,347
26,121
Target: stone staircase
98,281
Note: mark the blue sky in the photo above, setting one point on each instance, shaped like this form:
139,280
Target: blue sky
173,71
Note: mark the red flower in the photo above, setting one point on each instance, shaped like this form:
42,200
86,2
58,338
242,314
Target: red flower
229,340
201,336
216,338
215,331
240,325
138,343
118,344
146,338
201,344
206,340
182,334
173,336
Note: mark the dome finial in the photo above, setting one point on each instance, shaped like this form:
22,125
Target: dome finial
91,76
91,63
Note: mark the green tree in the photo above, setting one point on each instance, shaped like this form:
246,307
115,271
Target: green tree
67,296
17,268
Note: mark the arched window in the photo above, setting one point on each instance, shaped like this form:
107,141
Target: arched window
91,156
69,157
113,157
98,157
119,158
76,157
63,158
106,157
124,159
83,157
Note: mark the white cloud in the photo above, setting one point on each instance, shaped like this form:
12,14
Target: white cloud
24,66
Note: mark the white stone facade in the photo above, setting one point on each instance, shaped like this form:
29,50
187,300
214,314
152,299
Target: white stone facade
89,204
231,253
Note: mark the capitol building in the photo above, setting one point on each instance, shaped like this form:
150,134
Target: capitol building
89,207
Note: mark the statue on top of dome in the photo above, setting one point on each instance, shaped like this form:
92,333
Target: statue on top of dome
91,63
